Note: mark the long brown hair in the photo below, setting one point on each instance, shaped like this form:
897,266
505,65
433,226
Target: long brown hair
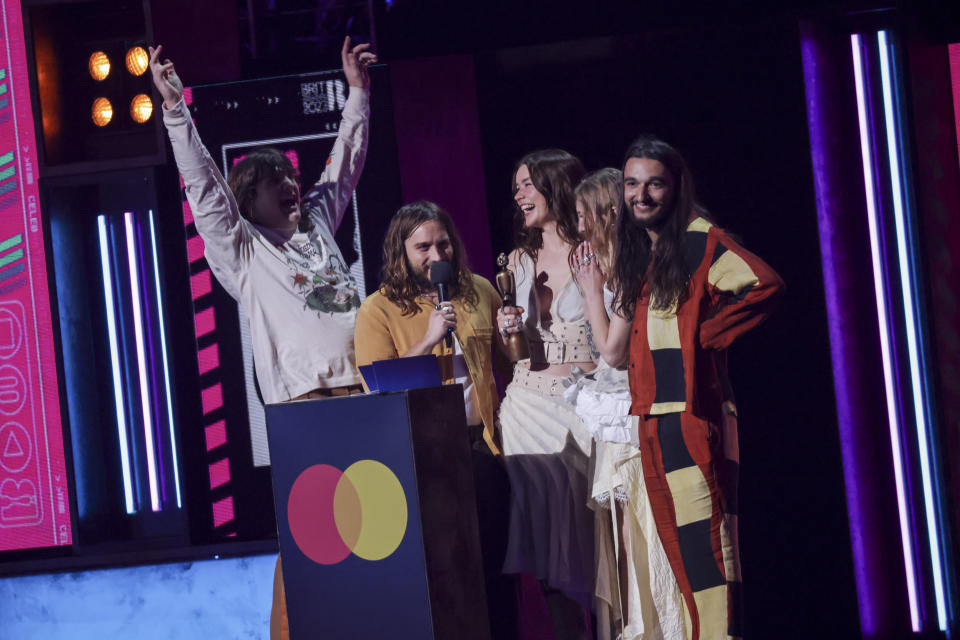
554,174
637,262
397,282
599,195
262,163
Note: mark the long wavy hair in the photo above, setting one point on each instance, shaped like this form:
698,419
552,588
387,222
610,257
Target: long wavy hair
599,195
661,269
554,173
262,163
397,282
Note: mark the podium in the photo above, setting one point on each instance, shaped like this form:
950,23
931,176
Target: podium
376,517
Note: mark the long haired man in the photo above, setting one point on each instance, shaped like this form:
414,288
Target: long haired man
274,252
684,291
405,318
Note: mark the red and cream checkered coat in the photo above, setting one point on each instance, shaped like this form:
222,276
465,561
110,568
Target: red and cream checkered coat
687,422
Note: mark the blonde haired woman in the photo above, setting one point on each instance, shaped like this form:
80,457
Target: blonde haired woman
597,197
636,593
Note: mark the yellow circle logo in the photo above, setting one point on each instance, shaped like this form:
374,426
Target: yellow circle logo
362,510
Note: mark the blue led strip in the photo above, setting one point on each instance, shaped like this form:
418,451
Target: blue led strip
906,261
886,349
120,407
166,365
139,338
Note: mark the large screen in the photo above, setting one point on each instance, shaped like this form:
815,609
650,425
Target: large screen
34,491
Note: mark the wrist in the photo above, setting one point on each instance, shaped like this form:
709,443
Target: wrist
592,295
424,347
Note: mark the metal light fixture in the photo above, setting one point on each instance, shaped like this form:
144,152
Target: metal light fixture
102,112
99,66
141,108
137,60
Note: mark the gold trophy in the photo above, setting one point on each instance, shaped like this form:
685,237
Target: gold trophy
516,343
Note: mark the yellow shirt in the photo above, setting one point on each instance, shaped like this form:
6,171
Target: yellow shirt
383,332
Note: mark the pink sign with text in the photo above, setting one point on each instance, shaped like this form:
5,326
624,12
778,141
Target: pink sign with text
34,498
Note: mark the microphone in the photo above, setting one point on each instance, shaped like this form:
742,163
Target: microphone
441,275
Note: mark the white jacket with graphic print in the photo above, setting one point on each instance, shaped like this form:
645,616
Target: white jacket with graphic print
299,296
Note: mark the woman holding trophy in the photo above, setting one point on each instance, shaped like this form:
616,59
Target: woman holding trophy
545,445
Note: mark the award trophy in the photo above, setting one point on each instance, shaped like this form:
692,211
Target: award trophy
516,343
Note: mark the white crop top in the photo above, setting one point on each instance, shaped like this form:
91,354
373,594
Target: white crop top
565,338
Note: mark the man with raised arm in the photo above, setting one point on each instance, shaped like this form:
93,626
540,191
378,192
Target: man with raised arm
274,252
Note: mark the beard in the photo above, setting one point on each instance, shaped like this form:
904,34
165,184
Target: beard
420,278
420,281
656,222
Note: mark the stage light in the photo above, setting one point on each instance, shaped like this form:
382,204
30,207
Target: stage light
140,341
911,313
137,61
99,66
102,112
141,108
115,364
886,349
166,364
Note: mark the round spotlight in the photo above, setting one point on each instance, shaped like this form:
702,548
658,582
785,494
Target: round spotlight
137,60
141,108
99,66
102,112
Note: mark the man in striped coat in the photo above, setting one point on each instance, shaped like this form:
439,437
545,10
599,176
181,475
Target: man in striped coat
685,290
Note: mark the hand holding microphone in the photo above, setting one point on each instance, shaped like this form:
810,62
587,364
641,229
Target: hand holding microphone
441,276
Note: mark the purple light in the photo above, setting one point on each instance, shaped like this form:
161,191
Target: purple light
166,365
145,404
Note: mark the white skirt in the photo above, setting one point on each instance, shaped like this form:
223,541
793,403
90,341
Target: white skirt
547,454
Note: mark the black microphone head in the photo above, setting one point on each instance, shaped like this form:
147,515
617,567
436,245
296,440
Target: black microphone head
441,272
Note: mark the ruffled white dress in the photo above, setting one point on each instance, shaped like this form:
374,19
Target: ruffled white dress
653,602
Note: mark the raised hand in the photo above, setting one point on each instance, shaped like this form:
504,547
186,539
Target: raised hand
587,271
355,63
165,78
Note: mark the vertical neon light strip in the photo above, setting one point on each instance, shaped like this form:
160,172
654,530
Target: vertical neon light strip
910,314
885,350
115,364
142,361
166,365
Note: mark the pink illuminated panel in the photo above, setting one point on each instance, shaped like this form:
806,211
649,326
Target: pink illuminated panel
208,359
216,434
223,511
34,499
955,78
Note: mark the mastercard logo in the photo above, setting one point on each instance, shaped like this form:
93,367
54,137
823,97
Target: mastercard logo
361,510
